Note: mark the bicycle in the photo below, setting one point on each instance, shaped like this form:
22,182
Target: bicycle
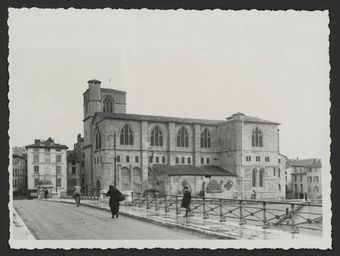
77,198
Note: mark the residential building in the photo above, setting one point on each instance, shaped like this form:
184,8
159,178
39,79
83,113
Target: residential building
306,178
75,166
239,154
46,166
19,174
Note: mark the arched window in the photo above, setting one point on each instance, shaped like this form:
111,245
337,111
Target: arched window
316,179
254,174
156,137
182,138
177,160
126,136
98,140
107,104
257,138
316,189
205,138
261,177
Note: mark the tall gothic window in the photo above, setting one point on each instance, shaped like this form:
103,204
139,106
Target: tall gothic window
156,137
257,138
205,138
107,104
126,136
98,140
261,177
182,138
254,174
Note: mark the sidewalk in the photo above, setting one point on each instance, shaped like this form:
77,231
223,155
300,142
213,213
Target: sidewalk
20,231
211,228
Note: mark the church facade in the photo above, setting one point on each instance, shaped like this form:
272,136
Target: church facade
237,157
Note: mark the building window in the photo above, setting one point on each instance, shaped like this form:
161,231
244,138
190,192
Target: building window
257,138
295,178
279,160
300,177
95,160
73,170
248,158
36,182
316,189
58,158
295,187
127,159
157,159
35,158
207,160
126,136
261,176
316,179
36,169
274,172
107,104
183,160
286,178
309,169
98,140
253,178
279,187
310,179
301,188
202,160
189,160
156,137
58,170
279,173
136,159
73,162
118,158
266,158
205,138
258,159
150,159
58,182
182,138
177,160
163,159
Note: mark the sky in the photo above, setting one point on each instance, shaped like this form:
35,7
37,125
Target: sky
198,64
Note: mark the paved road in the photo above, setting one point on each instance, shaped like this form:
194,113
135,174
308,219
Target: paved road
50,220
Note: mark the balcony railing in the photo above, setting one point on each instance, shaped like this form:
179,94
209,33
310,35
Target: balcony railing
290,216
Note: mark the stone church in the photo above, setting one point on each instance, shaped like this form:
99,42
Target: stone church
232,158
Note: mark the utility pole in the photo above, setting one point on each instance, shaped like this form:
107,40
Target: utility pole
115,159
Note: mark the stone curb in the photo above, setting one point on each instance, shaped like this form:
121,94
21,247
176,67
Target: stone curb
207,233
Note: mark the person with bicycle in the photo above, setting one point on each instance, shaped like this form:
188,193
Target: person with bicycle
77,194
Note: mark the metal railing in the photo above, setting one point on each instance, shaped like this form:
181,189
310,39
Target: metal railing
82,197
283,215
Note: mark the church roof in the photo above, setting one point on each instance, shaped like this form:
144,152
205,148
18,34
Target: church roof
157,118
191,170
136,117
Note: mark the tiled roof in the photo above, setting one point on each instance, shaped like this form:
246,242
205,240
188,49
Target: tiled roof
157,118
191,170
252,119
314,162
49,143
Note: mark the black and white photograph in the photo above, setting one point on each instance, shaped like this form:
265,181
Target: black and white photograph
163,128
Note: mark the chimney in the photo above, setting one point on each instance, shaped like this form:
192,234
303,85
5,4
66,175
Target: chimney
36,141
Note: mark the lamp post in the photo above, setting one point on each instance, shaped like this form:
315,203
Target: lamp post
114,158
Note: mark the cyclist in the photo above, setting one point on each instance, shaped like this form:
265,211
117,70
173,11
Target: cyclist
77,194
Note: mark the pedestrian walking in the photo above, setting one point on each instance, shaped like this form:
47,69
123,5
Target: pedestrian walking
186,200
77,194
46,193
115,197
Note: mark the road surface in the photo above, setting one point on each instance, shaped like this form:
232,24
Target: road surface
51,220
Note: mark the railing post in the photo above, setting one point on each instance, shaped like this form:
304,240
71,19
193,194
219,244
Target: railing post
166,208
205,215
242,221
265,223
222,217
294,228
147,201
177,208
156,204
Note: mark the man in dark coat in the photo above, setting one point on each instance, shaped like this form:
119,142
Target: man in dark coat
115,196
46,193
186,200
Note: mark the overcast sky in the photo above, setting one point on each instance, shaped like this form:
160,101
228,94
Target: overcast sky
199,64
